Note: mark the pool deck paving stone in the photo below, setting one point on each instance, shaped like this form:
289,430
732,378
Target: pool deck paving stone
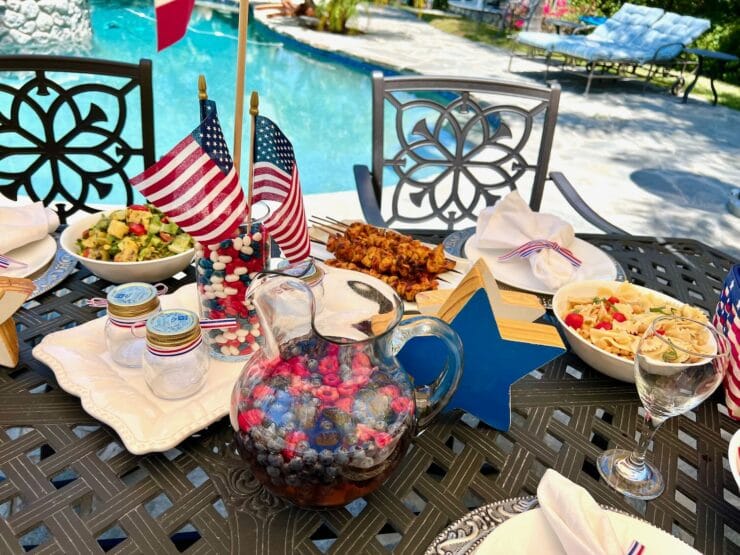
641,159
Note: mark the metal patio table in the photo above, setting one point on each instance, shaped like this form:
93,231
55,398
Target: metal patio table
67,485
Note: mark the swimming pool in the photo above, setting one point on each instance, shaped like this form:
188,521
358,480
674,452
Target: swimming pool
322,106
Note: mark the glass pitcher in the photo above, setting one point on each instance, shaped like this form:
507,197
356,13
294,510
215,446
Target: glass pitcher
324,412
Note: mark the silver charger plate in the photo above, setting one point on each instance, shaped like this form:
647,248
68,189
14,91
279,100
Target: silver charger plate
463,536
455,242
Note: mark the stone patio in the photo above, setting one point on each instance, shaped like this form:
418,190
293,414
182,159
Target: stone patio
641,159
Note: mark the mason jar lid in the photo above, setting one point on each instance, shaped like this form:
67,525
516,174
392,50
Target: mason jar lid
172,328
130,300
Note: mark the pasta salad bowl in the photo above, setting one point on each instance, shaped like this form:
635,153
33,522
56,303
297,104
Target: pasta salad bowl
604,320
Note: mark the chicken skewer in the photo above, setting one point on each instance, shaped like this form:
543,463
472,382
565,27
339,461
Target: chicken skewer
406,288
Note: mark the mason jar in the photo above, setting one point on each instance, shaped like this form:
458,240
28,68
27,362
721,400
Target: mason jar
129,307
224,272
176,359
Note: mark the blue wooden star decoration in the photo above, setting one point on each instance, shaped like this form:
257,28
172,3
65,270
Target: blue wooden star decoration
496,353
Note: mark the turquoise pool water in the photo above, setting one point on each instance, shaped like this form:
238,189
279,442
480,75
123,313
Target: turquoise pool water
322,106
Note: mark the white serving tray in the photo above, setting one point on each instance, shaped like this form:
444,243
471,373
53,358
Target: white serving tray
120,397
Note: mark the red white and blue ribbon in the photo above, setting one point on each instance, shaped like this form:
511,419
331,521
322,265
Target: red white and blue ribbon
7,262
218,323
140,323
175,351
532,247
636,548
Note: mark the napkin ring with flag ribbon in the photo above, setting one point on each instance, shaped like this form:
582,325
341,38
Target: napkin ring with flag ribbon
727,321
531,247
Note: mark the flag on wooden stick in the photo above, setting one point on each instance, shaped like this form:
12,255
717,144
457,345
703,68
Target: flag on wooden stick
276,179
172,20
196,184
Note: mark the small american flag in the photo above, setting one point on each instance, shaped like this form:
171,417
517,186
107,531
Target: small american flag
172,20
196,184
276,178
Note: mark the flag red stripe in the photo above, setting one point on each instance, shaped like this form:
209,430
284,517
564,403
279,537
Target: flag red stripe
229,197
172,21
288,224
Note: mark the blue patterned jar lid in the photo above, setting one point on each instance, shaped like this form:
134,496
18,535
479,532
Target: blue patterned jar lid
172,327
132,299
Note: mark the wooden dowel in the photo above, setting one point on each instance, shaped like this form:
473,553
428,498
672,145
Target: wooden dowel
254,102
241,68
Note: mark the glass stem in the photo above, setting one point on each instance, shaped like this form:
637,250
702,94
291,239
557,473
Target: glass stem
650,426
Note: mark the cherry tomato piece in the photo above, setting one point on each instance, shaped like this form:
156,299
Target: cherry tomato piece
137,229
574,320
619,317
165,220
660,332
138,207
613,300
603,325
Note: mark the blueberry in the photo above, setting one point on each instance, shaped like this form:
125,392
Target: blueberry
326,457
295,464
276,445
275,460
341,456
331,471
293,481
310,456
312,364
262,459
273,472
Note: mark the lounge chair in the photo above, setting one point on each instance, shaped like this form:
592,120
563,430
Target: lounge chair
634,36
502,12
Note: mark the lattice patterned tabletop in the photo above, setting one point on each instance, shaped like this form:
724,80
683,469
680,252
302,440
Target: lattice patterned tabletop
67,484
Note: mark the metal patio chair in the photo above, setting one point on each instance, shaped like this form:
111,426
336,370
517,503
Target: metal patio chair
71,127
457,146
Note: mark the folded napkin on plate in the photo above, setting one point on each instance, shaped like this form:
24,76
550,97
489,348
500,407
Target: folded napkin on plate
511,223
20,225
582,527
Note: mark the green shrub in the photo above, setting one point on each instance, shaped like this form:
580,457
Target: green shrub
334,14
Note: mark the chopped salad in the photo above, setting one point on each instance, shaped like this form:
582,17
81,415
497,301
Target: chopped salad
133,234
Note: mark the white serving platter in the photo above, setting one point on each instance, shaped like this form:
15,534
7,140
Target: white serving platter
120,397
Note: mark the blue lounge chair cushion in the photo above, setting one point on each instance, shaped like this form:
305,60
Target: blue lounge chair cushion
624,26
627,24
674,30
537,39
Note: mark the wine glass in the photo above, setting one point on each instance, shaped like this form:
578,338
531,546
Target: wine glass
679,362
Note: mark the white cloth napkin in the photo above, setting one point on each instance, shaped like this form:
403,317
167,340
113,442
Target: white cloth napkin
20,225
582,527
510,223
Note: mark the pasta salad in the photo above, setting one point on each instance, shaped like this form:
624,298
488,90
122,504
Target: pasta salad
616,318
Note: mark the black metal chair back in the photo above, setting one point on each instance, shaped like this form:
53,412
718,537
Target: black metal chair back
66,135
453,151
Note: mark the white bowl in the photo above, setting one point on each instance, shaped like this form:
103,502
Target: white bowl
121,272
605,362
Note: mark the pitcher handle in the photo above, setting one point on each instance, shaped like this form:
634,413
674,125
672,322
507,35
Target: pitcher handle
432,398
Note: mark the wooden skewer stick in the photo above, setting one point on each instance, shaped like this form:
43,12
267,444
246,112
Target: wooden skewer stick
253,112
320,242
334,220
325,227
241,69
